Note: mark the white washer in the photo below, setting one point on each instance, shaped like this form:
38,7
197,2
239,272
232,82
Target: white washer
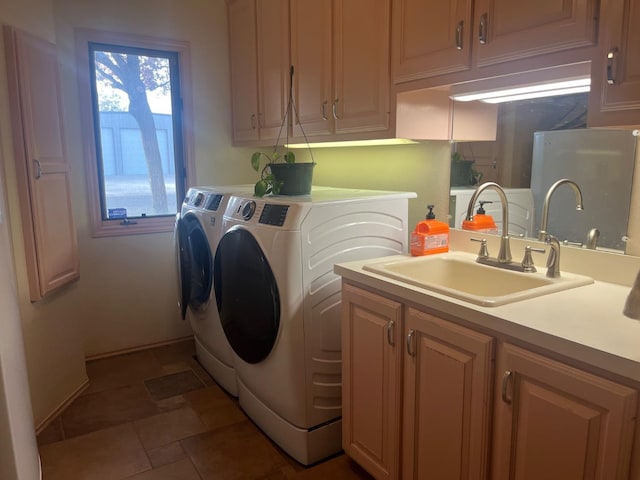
279,303
197,232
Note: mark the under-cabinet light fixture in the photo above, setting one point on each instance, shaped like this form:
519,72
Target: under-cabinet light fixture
530,91
354,143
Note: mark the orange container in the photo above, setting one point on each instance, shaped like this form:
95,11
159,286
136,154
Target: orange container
430,236
481,223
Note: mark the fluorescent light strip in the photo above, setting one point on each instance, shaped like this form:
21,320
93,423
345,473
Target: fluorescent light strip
544,93
354,143
510,92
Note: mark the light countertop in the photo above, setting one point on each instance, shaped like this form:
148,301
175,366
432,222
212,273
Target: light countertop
584,323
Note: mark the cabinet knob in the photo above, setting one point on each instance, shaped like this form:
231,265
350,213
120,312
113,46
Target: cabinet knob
505,383
410,343
335,109
36,163
253,121
390,331
324,110
482,29
459,31
611,57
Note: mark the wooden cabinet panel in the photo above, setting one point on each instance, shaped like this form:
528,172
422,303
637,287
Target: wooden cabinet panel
447,400
259,64
341,62
273,66
431,38
615,81
244,69
312,57
43,168
361,52
557,422
371,375
515,30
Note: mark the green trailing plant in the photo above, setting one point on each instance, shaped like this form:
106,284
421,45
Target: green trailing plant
268,182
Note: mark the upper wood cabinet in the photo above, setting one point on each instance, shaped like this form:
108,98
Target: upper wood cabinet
42,166
371,379
259,62
615,71
433,38
340,54
555,421
508,30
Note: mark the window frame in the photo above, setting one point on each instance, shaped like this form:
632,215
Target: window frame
140,225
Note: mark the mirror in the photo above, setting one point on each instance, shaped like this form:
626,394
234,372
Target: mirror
538,142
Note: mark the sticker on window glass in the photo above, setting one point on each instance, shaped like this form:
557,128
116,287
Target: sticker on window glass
117,213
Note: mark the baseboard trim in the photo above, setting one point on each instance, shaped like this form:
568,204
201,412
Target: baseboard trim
49,418
137,348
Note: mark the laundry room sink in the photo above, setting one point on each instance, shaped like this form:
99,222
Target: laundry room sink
458,275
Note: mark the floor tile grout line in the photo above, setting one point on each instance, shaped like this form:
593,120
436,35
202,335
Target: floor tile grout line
195,467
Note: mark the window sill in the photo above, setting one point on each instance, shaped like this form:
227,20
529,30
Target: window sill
114,228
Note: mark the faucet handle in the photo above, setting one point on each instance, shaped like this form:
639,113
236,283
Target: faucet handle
527,261
484,251
553,260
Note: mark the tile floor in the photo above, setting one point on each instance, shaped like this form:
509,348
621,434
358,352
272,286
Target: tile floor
157,414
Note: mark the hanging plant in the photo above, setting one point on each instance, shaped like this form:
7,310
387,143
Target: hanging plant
276,181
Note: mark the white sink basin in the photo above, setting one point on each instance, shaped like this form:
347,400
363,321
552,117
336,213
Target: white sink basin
458,275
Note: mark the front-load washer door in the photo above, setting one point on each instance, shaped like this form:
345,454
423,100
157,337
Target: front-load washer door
198,274
183,265
246,295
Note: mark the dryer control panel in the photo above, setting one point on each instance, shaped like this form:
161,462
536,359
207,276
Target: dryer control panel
274,214
279,212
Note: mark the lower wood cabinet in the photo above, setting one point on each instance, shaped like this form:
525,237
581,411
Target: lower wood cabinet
554,421
371,380
426,398
447,399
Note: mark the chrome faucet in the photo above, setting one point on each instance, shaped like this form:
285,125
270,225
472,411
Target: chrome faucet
504,255
542,233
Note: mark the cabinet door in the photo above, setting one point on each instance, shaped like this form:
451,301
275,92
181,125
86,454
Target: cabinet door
361,77
43,170
371,372
244,69
615,72
557,422
273,67
311,57
508,30
447,400
430,37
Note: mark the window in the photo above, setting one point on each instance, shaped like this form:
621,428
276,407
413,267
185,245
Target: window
133,91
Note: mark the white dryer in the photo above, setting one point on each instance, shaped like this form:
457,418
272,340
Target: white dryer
197,232
279,303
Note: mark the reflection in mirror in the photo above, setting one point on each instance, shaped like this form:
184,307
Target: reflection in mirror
526,162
